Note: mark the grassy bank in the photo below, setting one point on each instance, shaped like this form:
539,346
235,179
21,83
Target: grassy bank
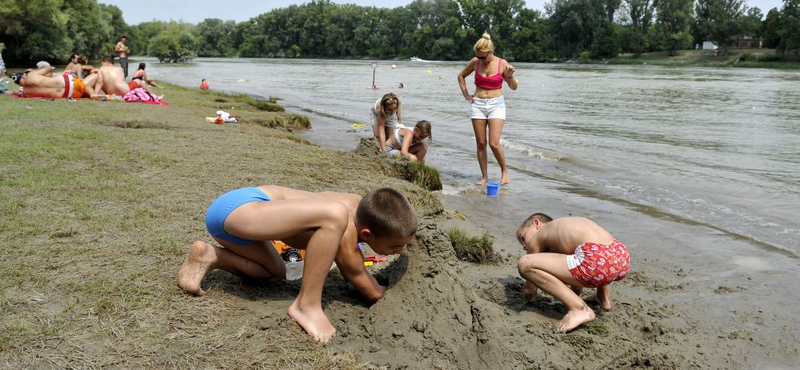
744,58
100,201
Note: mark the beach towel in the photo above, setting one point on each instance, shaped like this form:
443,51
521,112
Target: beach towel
140,95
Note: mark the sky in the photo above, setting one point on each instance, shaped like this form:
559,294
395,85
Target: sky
195,11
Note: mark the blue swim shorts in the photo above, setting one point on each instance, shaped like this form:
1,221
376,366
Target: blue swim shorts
224,205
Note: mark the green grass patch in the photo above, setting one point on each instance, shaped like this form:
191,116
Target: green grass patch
100,202
477,249
423,176
595,328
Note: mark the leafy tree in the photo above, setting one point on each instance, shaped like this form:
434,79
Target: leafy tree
573,23
752,23
88,27
502,17
141,35
720,21
527,42
34,30
605,44
176,44
673,24
640,14
119,28
772,29
213,38
790,32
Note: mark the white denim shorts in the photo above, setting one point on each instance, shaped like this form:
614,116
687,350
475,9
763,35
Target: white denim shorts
488,108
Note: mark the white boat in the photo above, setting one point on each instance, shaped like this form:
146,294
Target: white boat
415,59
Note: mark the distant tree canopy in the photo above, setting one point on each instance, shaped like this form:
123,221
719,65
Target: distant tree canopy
430,29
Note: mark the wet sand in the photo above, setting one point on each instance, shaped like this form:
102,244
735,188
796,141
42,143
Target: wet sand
697,297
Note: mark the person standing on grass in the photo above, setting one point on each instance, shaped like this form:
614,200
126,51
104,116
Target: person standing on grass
122,51
488,104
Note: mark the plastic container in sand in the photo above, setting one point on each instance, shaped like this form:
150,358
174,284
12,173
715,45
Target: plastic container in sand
294,270
491,189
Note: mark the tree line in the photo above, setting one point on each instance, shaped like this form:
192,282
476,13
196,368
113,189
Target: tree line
428,29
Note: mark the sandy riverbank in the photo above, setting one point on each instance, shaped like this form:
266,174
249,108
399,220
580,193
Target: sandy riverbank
103,199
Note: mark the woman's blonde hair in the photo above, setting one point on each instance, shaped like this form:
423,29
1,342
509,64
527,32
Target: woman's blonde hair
424,128
388,99
484,44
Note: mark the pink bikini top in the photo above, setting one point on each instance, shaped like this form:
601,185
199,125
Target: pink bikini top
493,82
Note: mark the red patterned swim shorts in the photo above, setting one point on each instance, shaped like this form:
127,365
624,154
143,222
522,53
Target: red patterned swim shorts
596,265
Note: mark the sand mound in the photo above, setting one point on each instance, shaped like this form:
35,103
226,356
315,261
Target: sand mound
429,318
440,313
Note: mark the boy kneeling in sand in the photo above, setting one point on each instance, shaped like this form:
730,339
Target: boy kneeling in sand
327,225
570,251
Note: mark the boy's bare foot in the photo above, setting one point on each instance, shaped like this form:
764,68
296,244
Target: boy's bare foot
603,300
573,319
198,262
482,182
314,322
504,180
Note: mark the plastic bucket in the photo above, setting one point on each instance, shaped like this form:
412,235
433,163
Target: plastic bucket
491,189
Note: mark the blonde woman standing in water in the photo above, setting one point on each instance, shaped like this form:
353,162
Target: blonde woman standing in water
488,105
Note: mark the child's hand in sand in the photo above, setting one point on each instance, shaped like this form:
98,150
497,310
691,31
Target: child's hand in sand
528,292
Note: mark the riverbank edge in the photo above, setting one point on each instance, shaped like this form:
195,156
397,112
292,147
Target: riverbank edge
90,148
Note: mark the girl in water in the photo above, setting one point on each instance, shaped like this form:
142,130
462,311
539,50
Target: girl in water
488,104
385,116
409,142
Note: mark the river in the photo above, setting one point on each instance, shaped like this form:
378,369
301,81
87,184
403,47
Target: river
715,147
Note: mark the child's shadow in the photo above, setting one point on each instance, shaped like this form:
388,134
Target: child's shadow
336,287
544,304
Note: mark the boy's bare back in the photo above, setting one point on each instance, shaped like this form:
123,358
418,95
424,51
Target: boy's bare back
564,234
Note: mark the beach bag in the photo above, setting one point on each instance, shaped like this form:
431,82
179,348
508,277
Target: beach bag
140,95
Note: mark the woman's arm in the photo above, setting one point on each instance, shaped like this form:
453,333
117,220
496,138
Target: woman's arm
462,82
148,79
382,131
508,75
408,136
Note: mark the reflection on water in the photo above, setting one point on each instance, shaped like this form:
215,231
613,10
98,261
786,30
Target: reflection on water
713,146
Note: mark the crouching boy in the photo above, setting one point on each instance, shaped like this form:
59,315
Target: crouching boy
566,255
327,225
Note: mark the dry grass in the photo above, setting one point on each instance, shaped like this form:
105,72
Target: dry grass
100,201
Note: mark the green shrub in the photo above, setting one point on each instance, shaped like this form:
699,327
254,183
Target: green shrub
472,249
268,106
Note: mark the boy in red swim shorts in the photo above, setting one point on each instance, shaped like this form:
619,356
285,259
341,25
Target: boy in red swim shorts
566,255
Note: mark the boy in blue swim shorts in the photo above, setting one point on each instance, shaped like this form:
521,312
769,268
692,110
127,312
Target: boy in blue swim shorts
327,225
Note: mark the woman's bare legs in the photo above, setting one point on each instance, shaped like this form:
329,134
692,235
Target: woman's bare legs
479,126
495,131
